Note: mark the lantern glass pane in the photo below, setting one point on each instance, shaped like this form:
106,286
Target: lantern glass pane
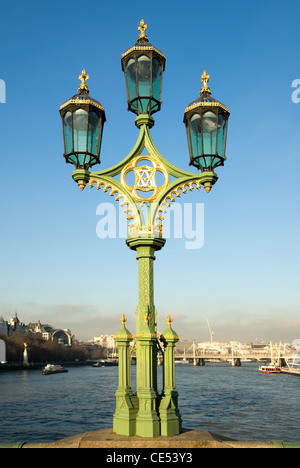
68,132
143,74
195,131
206,162
156,78
80,120
209,130
221,134
93,132
131,78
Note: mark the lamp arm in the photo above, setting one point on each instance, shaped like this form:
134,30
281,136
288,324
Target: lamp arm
133,209
175,189
184,181
117,168
172,170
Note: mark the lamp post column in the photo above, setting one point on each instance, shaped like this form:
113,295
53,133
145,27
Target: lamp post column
126,404
147,422
168,408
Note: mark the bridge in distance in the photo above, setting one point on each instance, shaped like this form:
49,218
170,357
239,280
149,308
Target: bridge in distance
236,358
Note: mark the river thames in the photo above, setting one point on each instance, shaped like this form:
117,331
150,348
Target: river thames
236,402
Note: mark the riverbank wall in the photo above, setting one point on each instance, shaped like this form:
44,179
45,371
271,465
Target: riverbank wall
187,440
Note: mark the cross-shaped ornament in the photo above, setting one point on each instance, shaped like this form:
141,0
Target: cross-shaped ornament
142,27
123,319
169,320
205,79
83,77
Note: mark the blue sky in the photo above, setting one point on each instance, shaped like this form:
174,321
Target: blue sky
245,278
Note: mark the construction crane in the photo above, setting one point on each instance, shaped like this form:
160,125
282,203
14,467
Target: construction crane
210,332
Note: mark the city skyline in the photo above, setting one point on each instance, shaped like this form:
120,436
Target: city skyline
207,333
54,267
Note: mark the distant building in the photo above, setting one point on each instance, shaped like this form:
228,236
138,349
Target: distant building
48,332
107,341
16,325
3,326
260,345
12,325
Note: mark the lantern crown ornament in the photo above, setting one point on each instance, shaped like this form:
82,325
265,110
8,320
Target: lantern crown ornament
143,66
206,121
83,118
83,77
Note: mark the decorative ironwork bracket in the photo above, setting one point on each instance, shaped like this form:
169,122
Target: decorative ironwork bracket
145,190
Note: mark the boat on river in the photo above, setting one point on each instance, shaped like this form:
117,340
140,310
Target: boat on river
271,368
50,369
274,366
106,363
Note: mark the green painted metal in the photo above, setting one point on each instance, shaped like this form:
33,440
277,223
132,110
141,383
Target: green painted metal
124,421
144,141
146,248
12,445
147,414
168,409
147,422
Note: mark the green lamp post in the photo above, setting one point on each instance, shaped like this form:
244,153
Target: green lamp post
143,179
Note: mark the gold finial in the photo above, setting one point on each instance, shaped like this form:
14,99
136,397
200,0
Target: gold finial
205,79
81,184
146,317
142,27
123,319
169,320
83,77
207,186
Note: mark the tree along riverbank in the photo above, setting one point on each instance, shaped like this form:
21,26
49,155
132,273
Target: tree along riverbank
41,351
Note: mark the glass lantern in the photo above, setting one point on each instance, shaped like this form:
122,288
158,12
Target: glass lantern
206,121
83,119
143,66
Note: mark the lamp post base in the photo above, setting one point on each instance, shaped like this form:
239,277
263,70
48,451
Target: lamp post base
170,419
124,421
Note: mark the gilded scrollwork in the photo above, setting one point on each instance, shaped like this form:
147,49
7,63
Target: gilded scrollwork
170,197
145,177
129,209
145,184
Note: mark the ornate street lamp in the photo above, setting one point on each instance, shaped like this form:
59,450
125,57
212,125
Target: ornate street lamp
143,66
145,179
83,118
206,121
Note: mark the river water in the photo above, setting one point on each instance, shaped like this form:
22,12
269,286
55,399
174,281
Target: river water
236,402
